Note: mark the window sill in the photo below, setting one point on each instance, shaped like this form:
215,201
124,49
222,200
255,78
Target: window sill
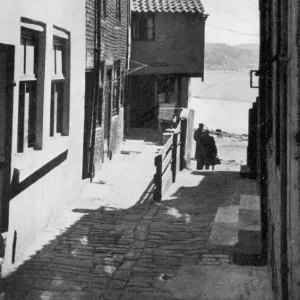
27,78
27,163
57,77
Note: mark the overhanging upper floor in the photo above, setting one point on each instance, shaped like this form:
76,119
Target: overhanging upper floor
168,40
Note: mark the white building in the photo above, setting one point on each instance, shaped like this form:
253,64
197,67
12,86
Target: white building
42,73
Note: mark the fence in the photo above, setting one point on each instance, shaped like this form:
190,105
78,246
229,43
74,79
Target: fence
170,160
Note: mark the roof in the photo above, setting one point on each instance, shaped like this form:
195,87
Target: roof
173,6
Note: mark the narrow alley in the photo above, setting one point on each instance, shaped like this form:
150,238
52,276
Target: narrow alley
145,251
109,112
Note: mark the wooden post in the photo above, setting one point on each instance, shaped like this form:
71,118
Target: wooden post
158,178
250,139
183,134
179,91
156,105
174,155
255,134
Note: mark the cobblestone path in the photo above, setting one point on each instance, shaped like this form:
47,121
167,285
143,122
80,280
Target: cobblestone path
128,254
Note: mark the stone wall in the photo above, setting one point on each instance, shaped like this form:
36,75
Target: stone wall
293,149
279,92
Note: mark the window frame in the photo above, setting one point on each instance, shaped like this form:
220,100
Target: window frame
60,85
116,87
28,107
32,36
140,28
100,93
59,45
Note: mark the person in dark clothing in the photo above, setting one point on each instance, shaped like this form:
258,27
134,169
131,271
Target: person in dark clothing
209,151
197,137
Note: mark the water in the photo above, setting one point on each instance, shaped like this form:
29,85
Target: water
222,101
230,116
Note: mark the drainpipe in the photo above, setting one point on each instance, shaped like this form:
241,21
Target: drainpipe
127,81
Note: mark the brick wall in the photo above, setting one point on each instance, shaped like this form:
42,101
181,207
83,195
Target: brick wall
90,6
113,48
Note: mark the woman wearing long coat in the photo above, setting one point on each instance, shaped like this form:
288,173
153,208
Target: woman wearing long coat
197,137
206,151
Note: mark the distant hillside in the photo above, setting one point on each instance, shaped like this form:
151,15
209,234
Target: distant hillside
225,57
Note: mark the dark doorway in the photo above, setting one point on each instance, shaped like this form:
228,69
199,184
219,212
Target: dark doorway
7,57
107,114
90,89
143,108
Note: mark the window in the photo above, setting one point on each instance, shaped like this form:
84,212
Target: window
116,87
27,90
29,44
118,11
103,9
100,96
58,49
143,27
59,88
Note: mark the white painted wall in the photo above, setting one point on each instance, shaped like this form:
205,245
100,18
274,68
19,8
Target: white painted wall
31,210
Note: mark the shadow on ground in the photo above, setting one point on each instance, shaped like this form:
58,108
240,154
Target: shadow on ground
124,254
148,135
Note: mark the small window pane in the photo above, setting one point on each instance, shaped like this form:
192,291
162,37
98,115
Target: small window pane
135,30
29,58
150,22
59,62
22,56
150,34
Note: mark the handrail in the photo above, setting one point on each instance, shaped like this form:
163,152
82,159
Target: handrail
168,161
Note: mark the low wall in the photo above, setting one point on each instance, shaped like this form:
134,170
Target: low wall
189,115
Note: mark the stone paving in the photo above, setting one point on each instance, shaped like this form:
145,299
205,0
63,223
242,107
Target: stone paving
112,253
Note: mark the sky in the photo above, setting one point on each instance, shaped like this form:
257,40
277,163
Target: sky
236,15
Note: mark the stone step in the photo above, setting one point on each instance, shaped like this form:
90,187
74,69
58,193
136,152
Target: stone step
224,234
246,172
248,249
250,256
250,202
249,225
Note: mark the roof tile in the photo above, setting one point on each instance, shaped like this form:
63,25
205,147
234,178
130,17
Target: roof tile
167,6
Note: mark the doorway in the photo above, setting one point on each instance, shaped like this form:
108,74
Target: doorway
7,56
107,115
